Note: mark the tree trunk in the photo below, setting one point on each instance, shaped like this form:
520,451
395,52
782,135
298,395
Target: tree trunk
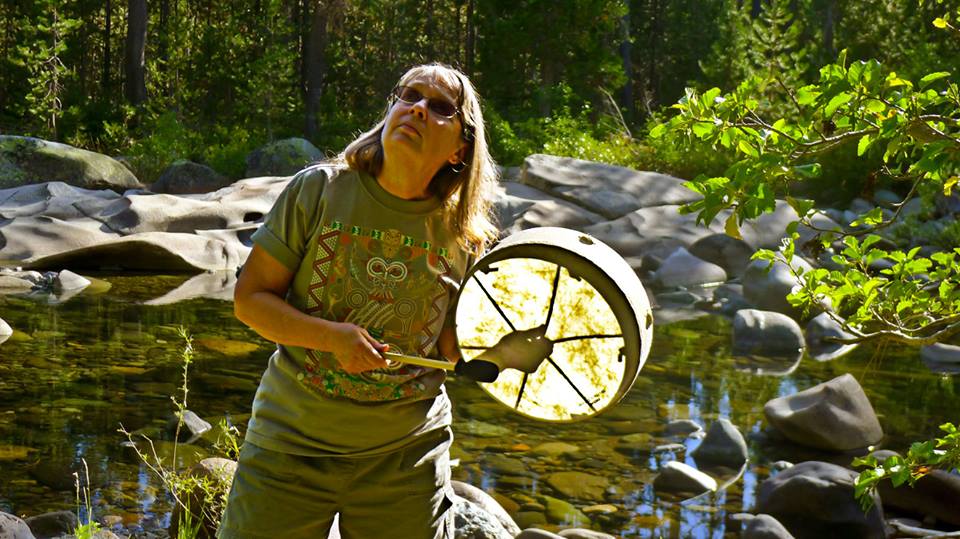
626,55
315,66
105,79
655,37
829,20
471,39
135,88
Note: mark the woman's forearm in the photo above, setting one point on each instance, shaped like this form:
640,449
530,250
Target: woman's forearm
276,320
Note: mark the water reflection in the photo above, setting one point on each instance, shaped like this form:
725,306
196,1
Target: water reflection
73,372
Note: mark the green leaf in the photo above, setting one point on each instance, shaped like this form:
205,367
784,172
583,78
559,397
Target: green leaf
940,23
658,130
927,80
807,95
811,170
863,145
800,205
835,103
747,148
703,128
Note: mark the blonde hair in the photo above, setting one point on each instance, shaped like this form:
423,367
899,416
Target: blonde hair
466,193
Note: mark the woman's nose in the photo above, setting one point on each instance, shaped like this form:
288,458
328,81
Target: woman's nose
420,108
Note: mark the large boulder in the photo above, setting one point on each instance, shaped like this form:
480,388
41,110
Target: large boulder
519,207
835,416
682,269
814,500
768,289
282,158
729,253
654,231
13,527
723,444
609,190
27,160
187,177
55,524
766,333
765,527
55,226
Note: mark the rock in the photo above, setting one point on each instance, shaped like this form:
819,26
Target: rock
519,207
527,519
10,284
554,449
723,445
486,502
504,465
766,333
218,473
936,494
483,429
578,485
192,428
473,522
656,231
729,253
609,190
670,448
535,533
820,327
768,291
210,284
282,158
561,512
768,365
27,160
815,499
682,426
603,509
835,415
940,353
679,478
580,533
186,177
886,197
53,524
682,269
12,527
765,527
67,280
5,329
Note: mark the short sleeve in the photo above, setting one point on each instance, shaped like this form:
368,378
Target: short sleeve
287,227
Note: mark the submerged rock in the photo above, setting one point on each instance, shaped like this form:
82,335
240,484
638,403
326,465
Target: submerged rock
835,415
765,527
679,478
818,330
815,500
723,445
766,333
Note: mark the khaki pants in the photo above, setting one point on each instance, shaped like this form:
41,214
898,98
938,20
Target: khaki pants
404,494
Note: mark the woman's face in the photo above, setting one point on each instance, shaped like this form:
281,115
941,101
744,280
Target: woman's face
419,137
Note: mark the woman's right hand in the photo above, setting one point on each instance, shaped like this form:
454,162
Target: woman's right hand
355,349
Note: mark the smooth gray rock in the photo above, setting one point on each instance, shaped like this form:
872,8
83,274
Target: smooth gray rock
941,353
609,190
769,290
519,207
193,426
53,524
580,533
723,444
682,269
5,329
680,478
282,158
765,527
656,231
536,533
835,416
67,280
818,329
187,177
766,333
886,197
682,426
486,502
27,160
815,499
13,527
729,253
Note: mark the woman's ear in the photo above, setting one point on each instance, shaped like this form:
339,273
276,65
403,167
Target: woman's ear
459,155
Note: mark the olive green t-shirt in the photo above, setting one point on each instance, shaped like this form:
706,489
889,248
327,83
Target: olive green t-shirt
362,255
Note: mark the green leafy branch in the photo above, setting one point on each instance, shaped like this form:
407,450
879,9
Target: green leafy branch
920,460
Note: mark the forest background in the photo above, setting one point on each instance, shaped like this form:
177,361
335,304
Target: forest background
212,80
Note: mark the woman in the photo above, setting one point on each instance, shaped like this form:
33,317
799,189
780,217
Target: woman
357,258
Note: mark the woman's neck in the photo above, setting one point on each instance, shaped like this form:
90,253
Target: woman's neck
404,182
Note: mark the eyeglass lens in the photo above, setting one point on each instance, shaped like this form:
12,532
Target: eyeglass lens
438,105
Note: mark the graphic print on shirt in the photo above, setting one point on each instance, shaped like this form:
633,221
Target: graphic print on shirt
384,281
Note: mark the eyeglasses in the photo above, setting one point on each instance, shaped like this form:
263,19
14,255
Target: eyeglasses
437,105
